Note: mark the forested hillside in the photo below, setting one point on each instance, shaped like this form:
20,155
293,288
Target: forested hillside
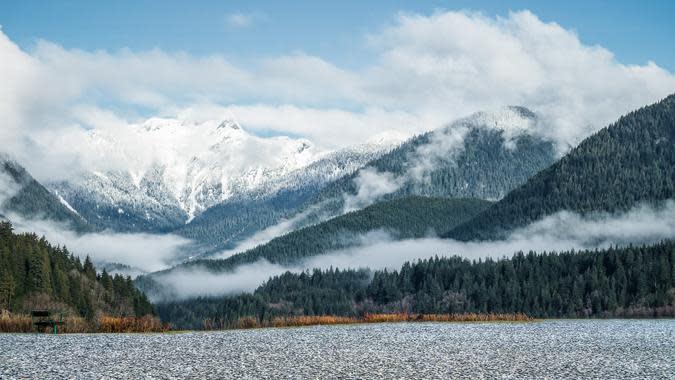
625,282
224,225
628,163
37,275
29,199
412,217
486,164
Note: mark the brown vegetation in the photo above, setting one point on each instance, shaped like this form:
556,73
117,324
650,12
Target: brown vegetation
23,323
146,324
15,323
464,317
304,320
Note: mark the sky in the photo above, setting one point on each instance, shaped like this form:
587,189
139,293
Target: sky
335,73
635,31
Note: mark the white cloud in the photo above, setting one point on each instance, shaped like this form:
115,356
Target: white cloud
427,70
239,19
462,62
283,227
370,186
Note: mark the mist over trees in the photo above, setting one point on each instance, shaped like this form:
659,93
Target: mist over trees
630,163
636,281
410,217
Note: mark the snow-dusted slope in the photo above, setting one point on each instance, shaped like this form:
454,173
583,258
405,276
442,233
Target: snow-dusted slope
277,200
158,175
22,197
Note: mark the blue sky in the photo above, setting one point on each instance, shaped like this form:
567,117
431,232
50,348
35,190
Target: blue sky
636,31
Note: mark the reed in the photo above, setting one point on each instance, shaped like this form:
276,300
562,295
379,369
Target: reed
307,320
464,317
475,317
74,325
249,322
15,323
145,324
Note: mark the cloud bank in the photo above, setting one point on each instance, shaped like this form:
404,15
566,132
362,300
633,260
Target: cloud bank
141,251
555,233
427,70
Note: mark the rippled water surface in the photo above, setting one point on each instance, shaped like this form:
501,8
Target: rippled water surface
551,349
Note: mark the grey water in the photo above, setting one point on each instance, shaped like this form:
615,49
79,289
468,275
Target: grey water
555,349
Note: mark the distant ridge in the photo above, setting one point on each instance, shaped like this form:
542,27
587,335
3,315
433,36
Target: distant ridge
623,165
30,200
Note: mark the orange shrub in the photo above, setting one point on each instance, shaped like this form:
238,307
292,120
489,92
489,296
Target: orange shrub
247,323
145,324
306,320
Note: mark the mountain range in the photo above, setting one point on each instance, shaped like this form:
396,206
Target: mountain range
218,185
627,164
166,172
477,179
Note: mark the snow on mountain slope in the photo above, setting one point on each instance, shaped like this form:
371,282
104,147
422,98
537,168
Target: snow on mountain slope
162,173
276,201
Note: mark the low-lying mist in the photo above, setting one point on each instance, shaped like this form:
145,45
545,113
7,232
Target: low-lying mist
282,227
143,252
558,232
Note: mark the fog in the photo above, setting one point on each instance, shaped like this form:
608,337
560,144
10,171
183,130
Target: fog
282,227
370,186
377,249
142,251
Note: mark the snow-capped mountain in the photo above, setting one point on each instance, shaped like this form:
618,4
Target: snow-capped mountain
160,174
276,200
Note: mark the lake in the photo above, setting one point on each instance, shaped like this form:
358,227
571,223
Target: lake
548,349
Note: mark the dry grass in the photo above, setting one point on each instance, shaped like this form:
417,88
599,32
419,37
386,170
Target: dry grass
74,325
464,317
304,320
23,323
146,324
247,323
311,320
15,323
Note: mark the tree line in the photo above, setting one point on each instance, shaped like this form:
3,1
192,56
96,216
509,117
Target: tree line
37,275
616,282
